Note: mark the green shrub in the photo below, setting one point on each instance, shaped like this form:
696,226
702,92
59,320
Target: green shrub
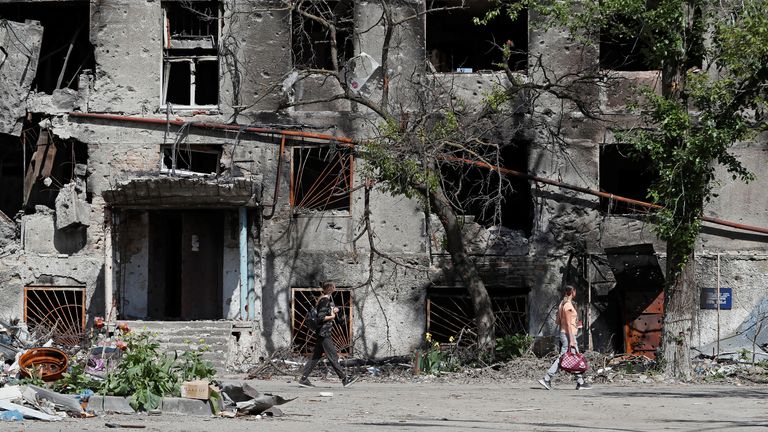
513,345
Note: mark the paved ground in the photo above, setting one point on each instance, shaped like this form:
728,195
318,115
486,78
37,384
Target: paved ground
427,407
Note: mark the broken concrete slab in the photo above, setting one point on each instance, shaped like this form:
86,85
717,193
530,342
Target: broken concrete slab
67,403
27,412
72,210
248,400
193,407
21,44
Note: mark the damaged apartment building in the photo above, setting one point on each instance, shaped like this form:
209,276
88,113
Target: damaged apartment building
151,171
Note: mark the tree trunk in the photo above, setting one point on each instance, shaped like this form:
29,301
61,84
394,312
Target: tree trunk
679,314
466,269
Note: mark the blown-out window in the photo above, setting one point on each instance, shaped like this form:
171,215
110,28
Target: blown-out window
321,178
190,53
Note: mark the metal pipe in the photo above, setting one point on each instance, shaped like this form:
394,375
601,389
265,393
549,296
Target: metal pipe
216,126
351,142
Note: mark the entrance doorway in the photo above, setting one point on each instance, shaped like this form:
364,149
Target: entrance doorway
185,265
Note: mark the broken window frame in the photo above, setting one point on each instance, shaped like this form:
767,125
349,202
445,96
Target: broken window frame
191,149
303,338
173,54
301,37
609,206
309,201
66,322
465,69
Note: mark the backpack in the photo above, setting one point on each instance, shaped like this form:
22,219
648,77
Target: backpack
313,319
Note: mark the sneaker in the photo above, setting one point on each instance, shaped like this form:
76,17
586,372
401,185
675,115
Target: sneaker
304,382
348,381
545,383
585,386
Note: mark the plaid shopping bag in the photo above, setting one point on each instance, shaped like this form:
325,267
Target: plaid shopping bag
573,362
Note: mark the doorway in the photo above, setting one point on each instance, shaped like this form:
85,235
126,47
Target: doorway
185,265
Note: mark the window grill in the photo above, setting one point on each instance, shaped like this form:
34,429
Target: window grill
56,312
303,338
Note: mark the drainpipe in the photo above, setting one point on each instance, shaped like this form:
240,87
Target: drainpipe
244,313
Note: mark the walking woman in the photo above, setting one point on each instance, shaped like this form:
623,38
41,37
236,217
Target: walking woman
567,322
324,343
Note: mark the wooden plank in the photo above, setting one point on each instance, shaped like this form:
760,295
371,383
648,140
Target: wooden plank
35,164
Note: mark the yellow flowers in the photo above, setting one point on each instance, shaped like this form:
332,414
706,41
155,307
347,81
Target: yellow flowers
451,339
428,337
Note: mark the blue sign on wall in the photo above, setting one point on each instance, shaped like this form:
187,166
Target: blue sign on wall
708,296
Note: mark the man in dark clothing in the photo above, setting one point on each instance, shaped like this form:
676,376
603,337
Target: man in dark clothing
324,343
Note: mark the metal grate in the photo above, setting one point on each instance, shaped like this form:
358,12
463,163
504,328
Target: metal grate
321,178
450,315
56,312
303,338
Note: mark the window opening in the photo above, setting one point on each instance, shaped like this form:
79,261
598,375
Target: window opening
56,312
624,175
303,338
312,41
321,178
190,54
475,191
450,313
456,44
50,164
66,50
191,159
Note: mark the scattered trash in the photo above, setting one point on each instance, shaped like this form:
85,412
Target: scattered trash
12,415
244,399
326,394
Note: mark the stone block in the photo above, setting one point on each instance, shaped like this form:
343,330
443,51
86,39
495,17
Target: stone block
110,404
183,406
71,209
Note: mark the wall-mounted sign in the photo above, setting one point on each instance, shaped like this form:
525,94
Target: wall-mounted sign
709,295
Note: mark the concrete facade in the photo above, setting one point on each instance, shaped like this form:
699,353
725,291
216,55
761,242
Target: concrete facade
121,219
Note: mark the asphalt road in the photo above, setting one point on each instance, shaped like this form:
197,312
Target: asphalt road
427,407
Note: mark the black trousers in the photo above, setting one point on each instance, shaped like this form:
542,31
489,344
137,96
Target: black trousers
324,344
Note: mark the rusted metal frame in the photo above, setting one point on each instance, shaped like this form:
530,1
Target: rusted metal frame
324,182
60,319
341,334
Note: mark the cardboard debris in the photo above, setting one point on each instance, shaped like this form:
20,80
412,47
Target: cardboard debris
198,389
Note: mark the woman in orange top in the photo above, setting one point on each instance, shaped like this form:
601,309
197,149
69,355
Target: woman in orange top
568,322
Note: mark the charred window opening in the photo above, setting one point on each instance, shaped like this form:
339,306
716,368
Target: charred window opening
321,178
491,199
188,158
190,55
303,338
56,312
456,44
624,46
450,313
312,41
65,51
12,165
50,164
626,175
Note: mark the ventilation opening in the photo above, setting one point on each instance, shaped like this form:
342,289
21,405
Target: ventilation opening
191,64
311,43
199,159
321,178
456,44
56,312
303,338
624,175
450,313
492,200
66,50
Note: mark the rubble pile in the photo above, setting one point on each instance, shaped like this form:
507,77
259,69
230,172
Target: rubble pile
47,380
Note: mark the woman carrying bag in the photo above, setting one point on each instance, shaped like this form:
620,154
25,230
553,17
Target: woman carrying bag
567,322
